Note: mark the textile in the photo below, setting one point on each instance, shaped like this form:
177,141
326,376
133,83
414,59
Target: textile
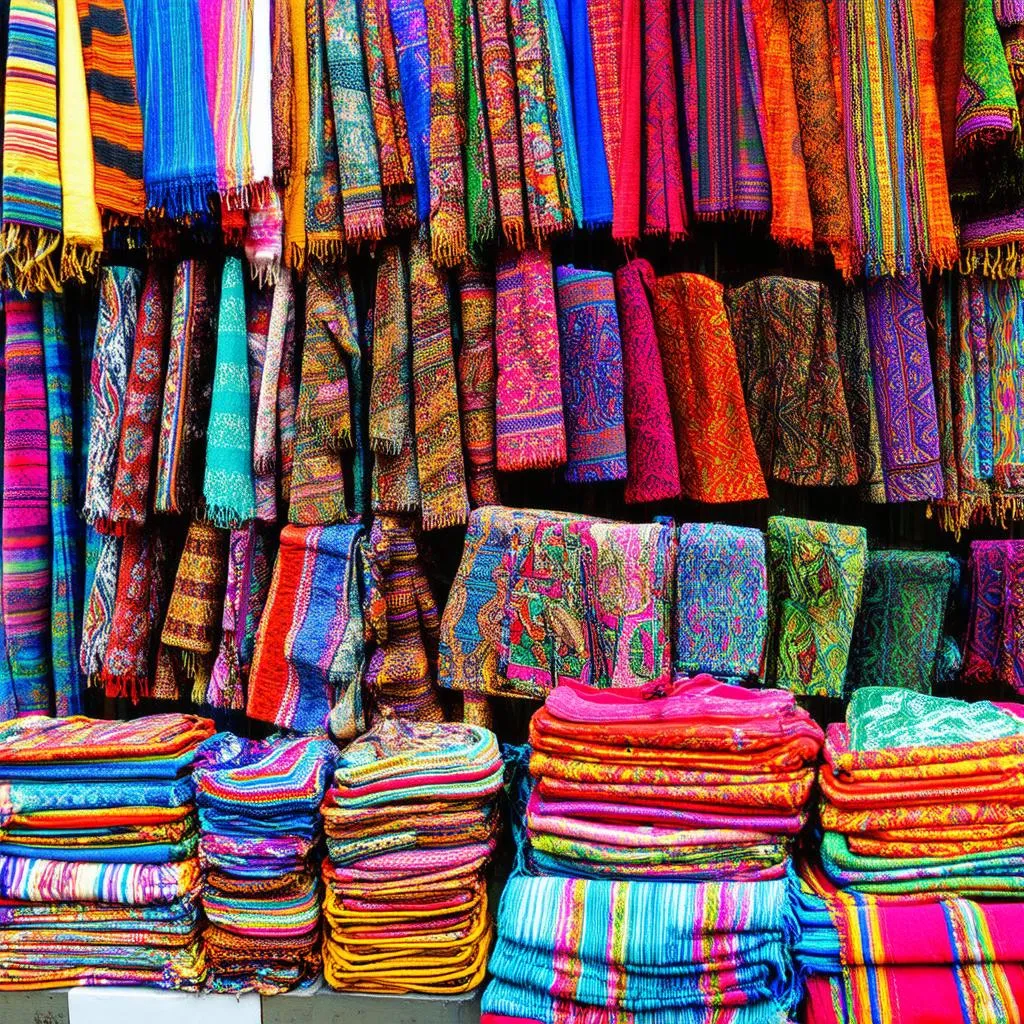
259,115
994,627
98,620
298,149
264,237
265,433
986,101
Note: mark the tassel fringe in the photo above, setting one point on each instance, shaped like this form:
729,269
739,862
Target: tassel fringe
29,258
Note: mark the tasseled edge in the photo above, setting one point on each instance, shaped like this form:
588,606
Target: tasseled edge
131,688
325,250
442,519
533,453
181,197
226,517
999,261
337,437
295,256
1007,508
79,260
265,272
196,666
29,258
447,244
514,230
789,238
367,226
244,197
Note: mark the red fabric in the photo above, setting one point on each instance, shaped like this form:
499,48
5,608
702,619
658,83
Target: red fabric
626,218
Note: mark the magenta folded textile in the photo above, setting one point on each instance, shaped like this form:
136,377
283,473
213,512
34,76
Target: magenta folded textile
412,863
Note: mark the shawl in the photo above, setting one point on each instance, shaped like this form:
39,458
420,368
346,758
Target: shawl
130,500
298,149
287,400
995,627
949,68
721,612
528,416
477,382
604,18
904,392
592,383
816,571
259,305
282,320
317,492
898,636
30,230
786,348
986,109
264,243
181,450
717,458
65,567
282,89
260,113
652,465
945,328
26,581
99,607
992,244
628,171
179,154
724,111
197,601
228,487
439,456
115,119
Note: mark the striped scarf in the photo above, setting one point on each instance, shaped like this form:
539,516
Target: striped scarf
298,147
264,237
8,702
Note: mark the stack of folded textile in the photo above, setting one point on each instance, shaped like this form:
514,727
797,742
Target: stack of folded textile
259,813
411,824
99,878
696,780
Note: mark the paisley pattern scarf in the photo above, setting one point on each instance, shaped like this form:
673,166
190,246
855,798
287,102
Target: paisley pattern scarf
99,607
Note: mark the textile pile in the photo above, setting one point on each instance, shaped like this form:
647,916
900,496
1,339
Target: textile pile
259,818
99,867
411,823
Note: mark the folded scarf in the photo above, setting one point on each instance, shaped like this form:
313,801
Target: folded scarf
115,119
301,106
904,391
98,619
995,627
228,482
179,154
717,458
143,394
528,418
31,224
816,573
986,101
592,376
65,575
26,579
785,335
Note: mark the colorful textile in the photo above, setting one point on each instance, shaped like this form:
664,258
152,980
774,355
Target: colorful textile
816,574
717,458
995,629
592,376
98,619
265,433
986,101
264,239
300,116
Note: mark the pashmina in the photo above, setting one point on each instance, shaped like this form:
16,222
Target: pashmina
898,637
257,316
65,575
228,488
282,322
995,628
721,609
26,579
317,491
626,220
260,114
652,464
992,244
986,109
264,246
559,94
904,391
724,111
786,348
816,572
477,373
298,170
99,606
592,376
281,91
287,400
528,417
130,501
188,389
31,225
717,458
439,456
179,154
605,20
115,119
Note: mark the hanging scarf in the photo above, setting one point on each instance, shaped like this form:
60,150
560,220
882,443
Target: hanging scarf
986,101
298,166
904,392
717,458
179,156
264,228
605,21
945,331
995,627
949,68
30,230
1013,48
528,414
260,113
187,390
194,612
476,369
282,323
993,245
100,605
287,400
361,201
259,302
115,119
8,699
25,599
228,482
626,222
439,458
112,357
282,89
652,463
724,112
785,335
144,392
592,385
65,595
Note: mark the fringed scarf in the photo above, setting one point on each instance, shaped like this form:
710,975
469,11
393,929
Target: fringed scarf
592,383
652,463
785,335
100,604
717,458
65,574
993,245
281,91
287,400
904,391
986,101
298,148
259,303
115,119
31,225
529,422
228,482
260,112
187,390
180,158
144,393
264,237
111,360
995,628
477,373
439,457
